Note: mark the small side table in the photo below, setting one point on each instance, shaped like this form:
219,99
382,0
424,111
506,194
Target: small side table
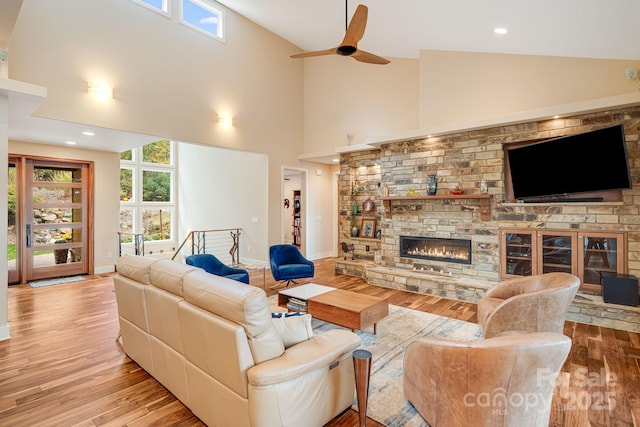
257,274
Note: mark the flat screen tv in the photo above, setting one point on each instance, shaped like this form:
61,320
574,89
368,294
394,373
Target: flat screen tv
562,167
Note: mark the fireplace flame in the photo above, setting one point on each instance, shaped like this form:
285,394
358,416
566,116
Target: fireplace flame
433,248
444,252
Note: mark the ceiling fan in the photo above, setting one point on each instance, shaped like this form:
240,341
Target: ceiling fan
349,45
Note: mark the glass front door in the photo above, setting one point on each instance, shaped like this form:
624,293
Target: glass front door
48,227
55,230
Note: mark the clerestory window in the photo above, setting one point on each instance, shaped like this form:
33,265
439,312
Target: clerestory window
202,16
161,6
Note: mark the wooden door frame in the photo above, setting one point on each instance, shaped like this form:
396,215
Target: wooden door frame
24,272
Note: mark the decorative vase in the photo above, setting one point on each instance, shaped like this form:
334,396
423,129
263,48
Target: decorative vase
432,185
484,188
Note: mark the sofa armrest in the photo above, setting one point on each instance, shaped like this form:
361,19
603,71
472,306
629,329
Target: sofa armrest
318,352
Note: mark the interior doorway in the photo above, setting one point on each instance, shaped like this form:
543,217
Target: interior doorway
294,212
49,229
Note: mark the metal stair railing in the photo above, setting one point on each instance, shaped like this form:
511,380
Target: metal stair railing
223,243
135,248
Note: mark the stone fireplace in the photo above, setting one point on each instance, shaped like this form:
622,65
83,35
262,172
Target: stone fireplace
394,176
436,249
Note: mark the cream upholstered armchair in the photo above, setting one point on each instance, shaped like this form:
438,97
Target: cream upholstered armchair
497,382
531,303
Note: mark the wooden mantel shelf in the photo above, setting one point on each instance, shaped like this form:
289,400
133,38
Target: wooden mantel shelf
483,200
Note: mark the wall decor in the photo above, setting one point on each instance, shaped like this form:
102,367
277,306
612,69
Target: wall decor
368,207
432,184
368,228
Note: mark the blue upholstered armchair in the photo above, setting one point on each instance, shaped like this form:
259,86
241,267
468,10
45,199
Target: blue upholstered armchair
213,265
288,263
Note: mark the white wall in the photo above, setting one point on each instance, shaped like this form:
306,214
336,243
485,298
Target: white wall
457,87
220,188
345,96
320,233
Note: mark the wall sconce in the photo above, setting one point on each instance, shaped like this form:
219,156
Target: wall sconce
225,120
101,90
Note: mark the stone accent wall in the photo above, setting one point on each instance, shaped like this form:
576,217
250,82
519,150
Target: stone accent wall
466,159
359,180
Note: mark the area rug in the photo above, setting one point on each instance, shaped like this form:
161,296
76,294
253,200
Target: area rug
56,281
387,403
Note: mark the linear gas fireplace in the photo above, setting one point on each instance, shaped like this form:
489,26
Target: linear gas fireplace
436,249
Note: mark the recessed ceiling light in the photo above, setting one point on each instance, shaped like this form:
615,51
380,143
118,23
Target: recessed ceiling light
500,30
88,133
556,116
335,160
70,142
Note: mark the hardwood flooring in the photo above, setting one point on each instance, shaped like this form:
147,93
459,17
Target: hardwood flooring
63,367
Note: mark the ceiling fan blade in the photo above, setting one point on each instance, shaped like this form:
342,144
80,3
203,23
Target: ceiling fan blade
370,58
314,53
355,30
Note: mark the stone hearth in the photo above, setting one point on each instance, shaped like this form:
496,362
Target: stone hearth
590,309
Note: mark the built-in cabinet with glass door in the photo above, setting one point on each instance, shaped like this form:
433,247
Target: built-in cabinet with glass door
590,255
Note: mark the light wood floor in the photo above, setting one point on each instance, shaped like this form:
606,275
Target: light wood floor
63,367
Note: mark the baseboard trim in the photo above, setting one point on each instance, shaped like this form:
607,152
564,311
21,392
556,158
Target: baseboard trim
104,269
4,332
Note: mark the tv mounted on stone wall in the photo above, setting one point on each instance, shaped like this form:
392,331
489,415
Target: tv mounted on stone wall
580,167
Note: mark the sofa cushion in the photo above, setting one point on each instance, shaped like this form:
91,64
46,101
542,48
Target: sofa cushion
239,303
292,327
167,274
135,267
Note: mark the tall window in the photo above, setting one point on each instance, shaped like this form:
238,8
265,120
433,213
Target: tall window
147,200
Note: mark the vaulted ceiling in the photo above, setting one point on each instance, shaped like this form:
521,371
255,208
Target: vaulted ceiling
400,29
573,28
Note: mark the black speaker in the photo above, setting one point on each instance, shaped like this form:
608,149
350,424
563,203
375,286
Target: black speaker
620,289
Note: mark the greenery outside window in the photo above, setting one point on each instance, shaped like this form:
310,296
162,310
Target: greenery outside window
202,16
157,224
126,185
127,221
128,155
156,186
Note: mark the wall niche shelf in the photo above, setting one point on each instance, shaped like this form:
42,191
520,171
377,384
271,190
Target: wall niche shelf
482,199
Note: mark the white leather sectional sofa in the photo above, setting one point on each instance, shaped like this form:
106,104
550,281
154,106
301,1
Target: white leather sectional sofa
212,343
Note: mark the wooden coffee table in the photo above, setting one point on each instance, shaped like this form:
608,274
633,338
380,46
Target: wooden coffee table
343,308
